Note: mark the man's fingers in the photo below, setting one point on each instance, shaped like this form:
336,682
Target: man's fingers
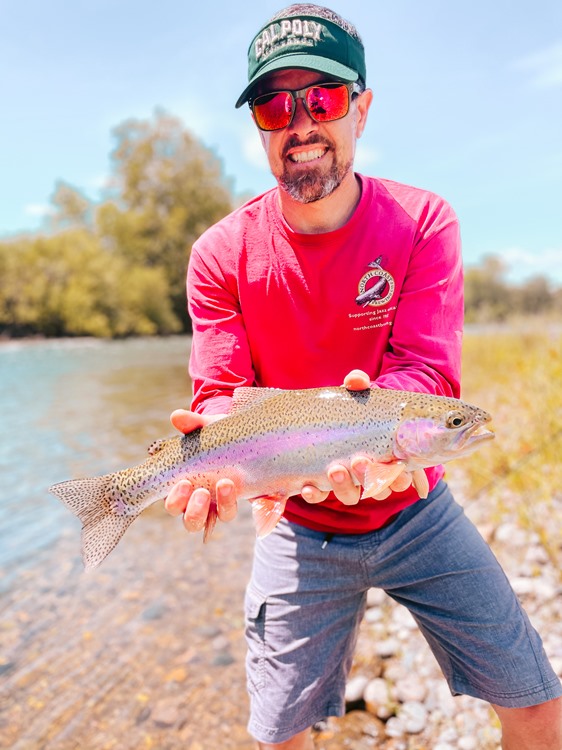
357,380
342,485
178,497
186,421
402,482
227,507
197,509
312,494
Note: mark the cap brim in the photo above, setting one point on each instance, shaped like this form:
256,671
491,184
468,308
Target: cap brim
305,62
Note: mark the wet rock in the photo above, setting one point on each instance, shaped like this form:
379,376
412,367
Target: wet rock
467,743
388,647
166,714
222,659
356,729
154,612
377,698
394,727
355,688
413,716
411,689
537,587
376,597
373,615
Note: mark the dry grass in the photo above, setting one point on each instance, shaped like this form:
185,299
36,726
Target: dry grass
515,372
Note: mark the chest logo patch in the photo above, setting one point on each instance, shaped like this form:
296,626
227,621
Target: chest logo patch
376,287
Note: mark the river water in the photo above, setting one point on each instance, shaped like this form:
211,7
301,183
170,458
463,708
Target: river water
147,650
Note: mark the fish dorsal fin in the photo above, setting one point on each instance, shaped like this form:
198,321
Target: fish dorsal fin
157,446
244,398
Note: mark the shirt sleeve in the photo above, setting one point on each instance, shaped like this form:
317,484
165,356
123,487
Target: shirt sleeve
424,352
220,358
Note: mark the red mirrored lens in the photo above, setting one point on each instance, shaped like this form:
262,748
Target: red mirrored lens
273,111
327,103
324,103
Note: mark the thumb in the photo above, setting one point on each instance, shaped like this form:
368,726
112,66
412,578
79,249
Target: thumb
186,421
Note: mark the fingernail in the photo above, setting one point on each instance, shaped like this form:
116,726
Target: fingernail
338,477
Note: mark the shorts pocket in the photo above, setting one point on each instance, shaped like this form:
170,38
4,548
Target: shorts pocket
254,607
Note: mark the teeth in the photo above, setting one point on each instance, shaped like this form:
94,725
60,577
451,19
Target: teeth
303,156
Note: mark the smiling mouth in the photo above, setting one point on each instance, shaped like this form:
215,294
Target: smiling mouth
304,157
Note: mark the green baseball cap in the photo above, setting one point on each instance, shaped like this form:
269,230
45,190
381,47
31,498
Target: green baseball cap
309,42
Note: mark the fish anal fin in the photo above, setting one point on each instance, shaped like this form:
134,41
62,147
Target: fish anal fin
211,522
379,477
419,479
267,511
245,397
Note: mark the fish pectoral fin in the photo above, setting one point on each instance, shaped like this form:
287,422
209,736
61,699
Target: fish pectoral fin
419,479
379,477
267,511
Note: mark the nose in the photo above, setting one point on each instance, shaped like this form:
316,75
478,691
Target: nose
302,121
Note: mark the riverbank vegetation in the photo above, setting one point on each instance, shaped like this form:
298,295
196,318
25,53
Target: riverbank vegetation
117,268
515,373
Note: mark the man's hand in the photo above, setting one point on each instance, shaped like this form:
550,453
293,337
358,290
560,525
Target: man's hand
193,502
340,478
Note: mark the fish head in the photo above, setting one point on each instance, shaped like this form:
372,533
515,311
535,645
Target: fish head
431,434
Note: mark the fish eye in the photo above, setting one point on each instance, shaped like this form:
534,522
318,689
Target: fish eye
455,419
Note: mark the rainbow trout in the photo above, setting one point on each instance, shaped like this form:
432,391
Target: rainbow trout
273,443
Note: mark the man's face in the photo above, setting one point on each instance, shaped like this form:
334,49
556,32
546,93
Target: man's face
310,159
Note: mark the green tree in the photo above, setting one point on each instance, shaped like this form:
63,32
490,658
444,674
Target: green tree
68,285
70,208
487,295
168,189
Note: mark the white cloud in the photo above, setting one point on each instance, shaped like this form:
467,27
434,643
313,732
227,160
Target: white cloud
365,158
38,209
253,149
522,263
544,66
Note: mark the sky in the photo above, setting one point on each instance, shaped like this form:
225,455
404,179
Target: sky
467,104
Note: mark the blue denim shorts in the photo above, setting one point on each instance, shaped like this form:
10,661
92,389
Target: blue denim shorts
305,601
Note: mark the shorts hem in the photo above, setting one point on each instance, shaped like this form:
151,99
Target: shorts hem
262,733
521,699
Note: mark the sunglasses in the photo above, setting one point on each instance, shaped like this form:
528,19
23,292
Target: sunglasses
324,102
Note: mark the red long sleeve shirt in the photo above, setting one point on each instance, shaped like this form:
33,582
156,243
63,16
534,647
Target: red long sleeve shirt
272,307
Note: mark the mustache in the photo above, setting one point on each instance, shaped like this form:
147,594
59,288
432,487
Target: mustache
314,140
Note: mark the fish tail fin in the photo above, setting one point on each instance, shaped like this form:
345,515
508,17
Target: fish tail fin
102,526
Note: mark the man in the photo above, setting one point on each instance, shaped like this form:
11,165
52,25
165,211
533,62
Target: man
330,272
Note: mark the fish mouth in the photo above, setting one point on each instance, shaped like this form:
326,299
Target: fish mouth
472,435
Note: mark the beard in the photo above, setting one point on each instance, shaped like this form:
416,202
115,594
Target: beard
310,184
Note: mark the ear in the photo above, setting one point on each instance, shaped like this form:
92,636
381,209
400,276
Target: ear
362,103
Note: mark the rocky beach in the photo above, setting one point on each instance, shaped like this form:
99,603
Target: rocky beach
148,650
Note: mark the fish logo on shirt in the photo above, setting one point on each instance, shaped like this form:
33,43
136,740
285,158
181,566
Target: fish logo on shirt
380,291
